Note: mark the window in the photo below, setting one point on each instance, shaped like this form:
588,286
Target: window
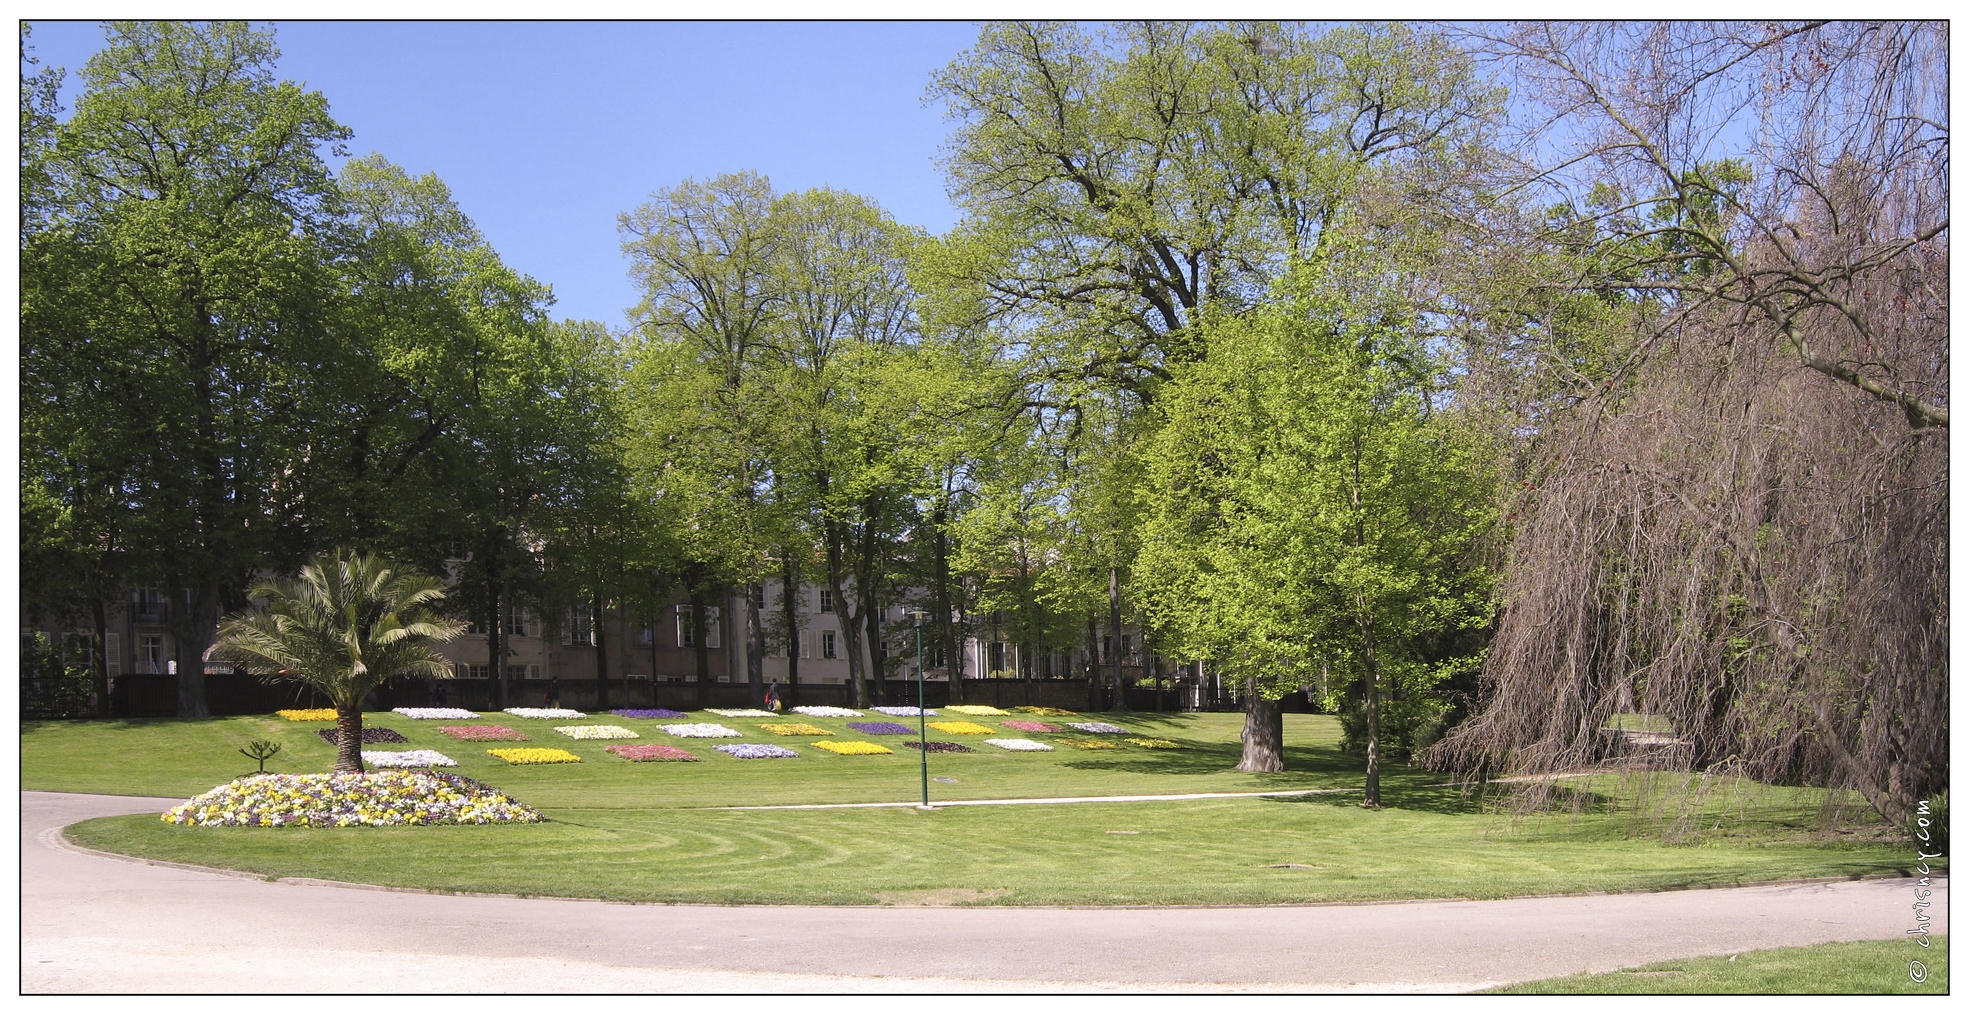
759,596
150,653
687,635
474,626
577,630
806,646
516,621
147,606
827,602
827,644
113,653
1107,648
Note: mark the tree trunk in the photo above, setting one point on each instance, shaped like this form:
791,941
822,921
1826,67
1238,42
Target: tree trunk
697,642
755,646
194,628
1264,733
787,589
495,645
348,737
1114,624
872,617
1371,796
1155,671
1094,701
655,679
1030,663
600,630
102,660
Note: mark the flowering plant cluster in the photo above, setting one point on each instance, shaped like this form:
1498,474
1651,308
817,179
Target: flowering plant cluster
742,712
370,735
881,729
433,713
343,799
482,732
1164,745
406,759
1018,744
827,712
904,710
598,732
307,714
647,713
851,747
963,728
532,755
546,713
650,752
699,729
1031,726
975,710
1043,710
757,751
794,729
1096,727
1090,745
938,747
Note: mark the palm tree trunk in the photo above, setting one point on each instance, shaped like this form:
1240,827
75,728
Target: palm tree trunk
348,737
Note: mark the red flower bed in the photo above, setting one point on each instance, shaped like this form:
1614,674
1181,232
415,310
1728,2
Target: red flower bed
482,732
650,752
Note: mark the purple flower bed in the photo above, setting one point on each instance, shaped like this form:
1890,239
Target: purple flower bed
939,747
881,728
370,735
756,751
647,713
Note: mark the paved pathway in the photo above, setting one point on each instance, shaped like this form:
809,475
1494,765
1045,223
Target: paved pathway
90,923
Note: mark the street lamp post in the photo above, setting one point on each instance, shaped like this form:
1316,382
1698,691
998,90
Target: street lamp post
922,721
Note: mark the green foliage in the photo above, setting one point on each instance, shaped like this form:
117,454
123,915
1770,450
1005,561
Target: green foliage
50,686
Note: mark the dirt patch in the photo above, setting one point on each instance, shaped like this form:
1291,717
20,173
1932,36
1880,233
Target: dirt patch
941,896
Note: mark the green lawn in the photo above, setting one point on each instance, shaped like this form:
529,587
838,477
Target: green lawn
1858,967
631,831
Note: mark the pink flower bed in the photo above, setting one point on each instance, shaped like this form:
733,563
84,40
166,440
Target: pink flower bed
1028,726
650,752
482,732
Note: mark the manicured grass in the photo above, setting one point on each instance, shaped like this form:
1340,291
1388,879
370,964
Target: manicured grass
1859,967
636,831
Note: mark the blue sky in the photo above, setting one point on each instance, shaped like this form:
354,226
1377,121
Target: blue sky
546,131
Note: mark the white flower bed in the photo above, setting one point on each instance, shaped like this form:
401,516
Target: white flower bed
406,759
742,712
435,713
1096,727
1017,744
828,712
904,710
699,729
546,713
598,732
756,751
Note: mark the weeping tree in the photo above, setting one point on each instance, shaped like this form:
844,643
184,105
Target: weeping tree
344,626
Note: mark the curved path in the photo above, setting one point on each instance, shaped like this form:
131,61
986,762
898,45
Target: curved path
91,923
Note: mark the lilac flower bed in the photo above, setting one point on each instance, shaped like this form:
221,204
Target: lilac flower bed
647,713
756,751
650,752
370,735
939,747
909,710
892,729
1096,727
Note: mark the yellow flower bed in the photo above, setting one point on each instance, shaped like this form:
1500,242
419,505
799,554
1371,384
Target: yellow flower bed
1089,745
962,727
1043,710
307,714
532,755
1165,745
851,747
794,729
975,710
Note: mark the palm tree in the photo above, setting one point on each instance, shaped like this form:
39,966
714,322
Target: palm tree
348,623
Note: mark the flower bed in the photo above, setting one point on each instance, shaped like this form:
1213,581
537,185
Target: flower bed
1043,710
1161,745
598,732
851,747
1096,727
881,729
1031,726
903,710
827,712
1089,745
433,713
699,729
975,710
532,755
737,713
963,728
482,732
406,759
307,714
794,729
546,713
755,751
647,713
1018,744
343,799
650,752
938,747
370,735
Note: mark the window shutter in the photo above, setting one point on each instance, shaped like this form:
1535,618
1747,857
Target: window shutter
711,627
113,653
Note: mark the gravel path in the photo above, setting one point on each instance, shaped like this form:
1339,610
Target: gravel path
96,924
